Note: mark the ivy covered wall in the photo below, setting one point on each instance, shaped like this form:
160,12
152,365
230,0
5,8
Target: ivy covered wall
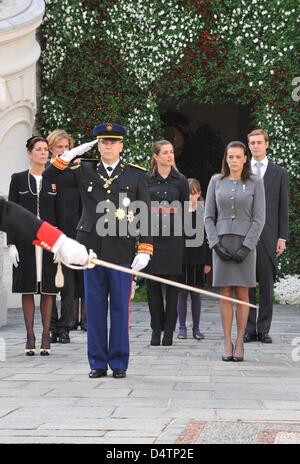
124,60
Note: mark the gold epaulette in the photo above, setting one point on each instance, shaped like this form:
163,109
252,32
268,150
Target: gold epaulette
136,166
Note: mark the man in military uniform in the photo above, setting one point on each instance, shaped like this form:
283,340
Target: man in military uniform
112,185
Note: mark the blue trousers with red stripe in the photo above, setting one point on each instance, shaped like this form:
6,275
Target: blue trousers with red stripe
99,284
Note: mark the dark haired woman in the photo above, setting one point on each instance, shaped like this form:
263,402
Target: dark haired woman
234,219
33,270
166,185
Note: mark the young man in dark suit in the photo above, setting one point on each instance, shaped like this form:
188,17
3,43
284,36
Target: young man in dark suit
273,238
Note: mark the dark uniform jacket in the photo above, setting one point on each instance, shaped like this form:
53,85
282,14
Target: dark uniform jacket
167,250
17,221
97,189
72,210
49,207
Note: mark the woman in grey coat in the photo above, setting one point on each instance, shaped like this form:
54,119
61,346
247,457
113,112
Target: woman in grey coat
234,219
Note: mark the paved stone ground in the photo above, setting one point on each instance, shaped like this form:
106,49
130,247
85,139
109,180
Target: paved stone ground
178,394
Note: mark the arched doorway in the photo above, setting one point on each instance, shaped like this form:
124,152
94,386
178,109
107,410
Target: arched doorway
200,134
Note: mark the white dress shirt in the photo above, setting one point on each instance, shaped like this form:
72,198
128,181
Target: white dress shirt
111,165
263,168
38,250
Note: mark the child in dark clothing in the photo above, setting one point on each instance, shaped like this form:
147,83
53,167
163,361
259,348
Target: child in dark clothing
196,263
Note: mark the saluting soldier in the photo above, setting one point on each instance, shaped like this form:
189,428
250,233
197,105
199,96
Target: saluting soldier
101,228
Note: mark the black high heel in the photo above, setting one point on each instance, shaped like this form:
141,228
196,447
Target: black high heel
228,358
238,358
30,351
45,351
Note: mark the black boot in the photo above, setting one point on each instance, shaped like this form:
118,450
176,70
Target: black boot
83,326
155,339
167,338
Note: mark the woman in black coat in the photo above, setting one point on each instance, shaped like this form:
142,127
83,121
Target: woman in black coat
34,271
166,185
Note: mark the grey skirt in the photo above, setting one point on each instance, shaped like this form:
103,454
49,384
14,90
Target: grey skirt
230,273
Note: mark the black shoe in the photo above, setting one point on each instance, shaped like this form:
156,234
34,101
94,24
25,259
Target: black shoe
198,335
53,336
265,338
228,358
30,347
96,373
119,373
238,358
64,337
74,325
45,351
83,326
155,338
250,338
167,338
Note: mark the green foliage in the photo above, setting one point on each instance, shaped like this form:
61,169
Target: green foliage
140,295
124,60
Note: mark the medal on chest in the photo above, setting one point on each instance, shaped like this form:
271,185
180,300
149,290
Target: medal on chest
109,180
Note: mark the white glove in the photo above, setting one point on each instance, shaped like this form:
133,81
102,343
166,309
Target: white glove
140,261
73,252
13,255
68,155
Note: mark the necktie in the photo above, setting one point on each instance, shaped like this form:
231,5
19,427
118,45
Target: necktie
258,166
109,170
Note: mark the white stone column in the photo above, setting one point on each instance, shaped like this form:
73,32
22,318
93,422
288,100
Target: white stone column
19,52
3,294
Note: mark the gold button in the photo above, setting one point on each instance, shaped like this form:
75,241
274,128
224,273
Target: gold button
107,210
105,220
108,191
108,201
81,227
